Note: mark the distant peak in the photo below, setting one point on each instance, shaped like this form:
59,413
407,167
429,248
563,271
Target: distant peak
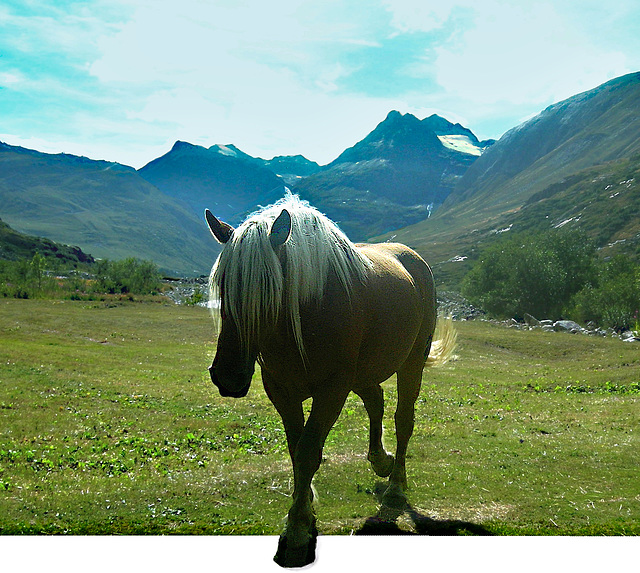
182,145
395,116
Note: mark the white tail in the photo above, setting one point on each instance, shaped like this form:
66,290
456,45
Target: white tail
444,344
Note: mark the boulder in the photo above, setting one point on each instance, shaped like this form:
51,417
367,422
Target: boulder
531,320
567,326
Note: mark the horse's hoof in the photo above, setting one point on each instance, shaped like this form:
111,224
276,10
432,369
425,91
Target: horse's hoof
297,556
381,463
394,498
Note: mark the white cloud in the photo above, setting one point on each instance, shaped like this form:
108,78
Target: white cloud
498,61
127,78
413,16
10,78
258,75
524,53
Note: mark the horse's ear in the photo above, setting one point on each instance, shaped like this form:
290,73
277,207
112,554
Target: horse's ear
280,229
221,231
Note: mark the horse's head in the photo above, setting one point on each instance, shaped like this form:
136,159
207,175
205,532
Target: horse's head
233,366
234,363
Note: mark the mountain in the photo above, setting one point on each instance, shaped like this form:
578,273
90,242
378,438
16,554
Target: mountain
105,208
398,174
292,168
574,164
221,178
538,175
15,246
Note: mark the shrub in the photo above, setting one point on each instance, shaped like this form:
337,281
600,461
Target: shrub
127,276
614,300
24,278
531,273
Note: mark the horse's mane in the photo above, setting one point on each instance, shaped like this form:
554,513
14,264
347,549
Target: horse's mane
255,283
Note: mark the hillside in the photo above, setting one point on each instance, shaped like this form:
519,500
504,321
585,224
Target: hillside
15,246
550,156
105,208
398,174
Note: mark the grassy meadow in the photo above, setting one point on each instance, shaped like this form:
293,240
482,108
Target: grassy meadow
109,424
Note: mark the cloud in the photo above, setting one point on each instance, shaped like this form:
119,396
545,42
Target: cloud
524,53
497,61
411,16
268,75
11,78
295,76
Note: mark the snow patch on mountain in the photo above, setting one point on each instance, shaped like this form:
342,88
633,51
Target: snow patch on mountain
225,150
460,143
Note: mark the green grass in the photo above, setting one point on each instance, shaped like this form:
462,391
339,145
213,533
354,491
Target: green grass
110,425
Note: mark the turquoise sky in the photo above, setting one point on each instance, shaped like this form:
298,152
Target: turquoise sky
122,80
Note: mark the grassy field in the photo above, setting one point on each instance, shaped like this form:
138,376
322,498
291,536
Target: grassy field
109,424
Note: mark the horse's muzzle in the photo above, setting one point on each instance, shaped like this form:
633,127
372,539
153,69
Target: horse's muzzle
226,392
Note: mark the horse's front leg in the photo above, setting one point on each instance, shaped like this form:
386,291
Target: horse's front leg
290,409
297,544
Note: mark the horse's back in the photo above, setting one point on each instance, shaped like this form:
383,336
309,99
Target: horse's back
399,313
401,263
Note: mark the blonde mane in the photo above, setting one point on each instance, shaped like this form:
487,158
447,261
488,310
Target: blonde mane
255,284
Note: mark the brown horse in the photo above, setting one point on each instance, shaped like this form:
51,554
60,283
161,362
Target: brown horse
323,317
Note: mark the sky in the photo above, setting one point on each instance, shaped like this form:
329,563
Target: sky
122,80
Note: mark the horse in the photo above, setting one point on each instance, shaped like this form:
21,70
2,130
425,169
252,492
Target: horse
322,317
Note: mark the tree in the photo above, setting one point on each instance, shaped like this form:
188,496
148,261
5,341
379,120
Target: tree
127,276
531,273
36,269
614,299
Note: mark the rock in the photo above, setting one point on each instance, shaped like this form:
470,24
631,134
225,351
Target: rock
531,320
567,326
454,305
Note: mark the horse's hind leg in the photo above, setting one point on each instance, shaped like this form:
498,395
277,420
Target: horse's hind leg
373,399
409,381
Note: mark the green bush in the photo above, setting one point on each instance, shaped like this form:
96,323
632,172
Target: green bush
531,273
130,275
32,278
25,278
614,300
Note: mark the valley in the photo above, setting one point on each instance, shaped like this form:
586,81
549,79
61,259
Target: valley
428,183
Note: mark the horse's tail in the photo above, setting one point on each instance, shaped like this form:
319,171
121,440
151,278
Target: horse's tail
443,346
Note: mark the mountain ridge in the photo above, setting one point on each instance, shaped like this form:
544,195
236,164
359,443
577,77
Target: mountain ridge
220,178
429,183
393,177
105,208
589,131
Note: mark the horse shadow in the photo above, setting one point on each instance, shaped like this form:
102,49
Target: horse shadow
385,521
